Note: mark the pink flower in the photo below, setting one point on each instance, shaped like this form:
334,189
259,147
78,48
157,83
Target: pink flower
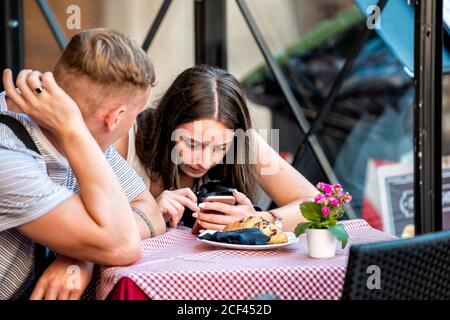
327,188
331,195
334,202
325,211
347,198
319,198
337,186
320,186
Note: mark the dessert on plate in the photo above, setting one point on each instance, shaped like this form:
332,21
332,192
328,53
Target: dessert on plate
276,235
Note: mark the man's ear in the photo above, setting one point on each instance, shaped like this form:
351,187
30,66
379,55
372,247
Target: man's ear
113,117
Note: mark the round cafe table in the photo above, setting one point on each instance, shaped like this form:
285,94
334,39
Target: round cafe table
176,265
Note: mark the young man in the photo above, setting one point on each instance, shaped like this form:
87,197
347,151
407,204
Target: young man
76,196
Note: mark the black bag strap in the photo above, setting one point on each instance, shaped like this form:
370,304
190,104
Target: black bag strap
40,256
20,132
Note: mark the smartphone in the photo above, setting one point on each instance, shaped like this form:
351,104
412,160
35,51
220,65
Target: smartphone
223,199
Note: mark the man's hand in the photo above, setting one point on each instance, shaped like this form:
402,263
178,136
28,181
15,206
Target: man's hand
42,99
64,279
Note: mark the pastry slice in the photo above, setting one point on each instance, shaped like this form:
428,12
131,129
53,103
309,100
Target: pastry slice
268,228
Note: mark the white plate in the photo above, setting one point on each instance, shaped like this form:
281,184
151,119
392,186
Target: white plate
291,240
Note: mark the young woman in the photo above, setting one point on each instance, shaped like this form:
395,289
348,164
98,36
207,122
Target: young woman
201,130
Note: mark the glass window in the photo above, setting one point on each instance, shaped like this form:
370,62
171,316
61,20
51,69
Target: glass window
368,135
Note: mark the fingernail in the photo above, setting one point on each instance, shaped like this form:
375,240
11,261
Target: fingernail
202,205
195,215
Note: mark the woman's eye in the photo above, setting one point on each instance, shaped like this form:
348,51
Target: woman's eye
191,144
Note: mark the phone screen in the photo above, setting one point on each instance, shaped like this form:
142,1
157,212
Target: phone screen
223,199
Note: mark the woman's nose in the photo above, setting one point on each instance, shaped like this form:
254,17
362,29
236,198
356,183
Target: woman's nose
206,159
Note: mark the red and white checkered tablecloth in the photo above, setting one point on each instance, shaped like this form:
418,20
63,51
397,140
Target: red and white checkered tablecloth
177,266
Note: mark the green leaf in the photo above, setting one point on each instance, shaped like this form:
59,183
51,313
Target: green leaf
311,211
339,232
340,212
335,212
301,228
324,225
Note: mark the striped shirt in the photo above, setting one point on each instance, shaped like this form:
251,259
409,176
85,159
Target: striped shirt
31,185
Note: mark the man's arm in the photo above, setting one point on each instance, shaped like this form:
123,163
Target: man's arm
146,204
87,226
147,213
98,224
52,284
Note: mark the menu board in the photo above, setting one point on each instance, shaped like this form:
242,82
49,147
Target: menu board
396,186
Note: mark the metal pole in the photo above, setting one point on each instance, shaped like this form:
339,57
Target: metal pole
211,33
428,116
11,36
156,24
53,24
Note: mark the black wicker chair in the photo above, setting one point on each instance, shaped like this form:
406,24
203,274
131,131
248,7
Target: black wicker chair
415,268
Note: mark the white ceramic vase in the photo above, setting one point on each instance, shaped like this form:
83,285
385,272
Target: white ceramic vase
321,243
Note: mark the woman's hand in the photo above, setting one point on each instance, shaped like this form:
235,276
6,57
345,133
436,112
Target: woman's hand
42,99
64,279
217,215
172,203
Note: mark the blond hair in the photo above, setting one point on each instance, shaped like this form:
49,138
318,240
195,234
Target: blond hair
107,56
108,61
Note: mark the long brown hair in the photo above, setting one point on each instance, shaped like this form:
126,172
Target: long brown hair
201,92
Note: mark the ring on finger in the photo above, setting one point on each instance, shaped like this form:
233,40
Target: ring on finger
39,90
